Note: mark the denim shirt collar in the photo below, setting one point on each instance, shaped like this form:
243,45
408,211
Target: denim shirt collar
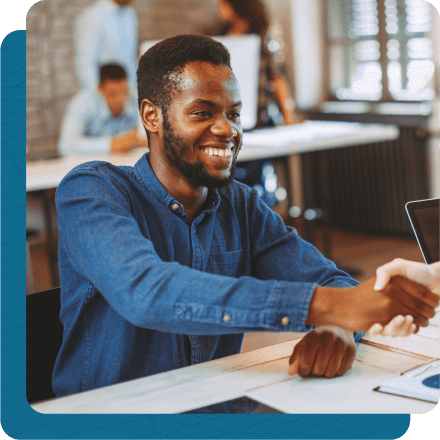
145,173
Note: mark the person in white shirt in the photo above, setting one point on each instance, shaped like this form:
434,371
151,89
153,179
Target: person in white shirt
103,120
106,32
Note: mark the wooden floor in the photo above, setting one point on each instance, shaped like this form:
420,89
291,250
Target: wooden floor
364,252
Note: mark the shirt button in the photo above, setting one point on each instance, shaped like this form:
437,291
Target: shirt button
226,318
175,207
285,321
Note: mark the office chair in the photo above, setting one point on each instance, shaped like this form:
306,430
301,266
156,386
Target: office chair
44,335
30,285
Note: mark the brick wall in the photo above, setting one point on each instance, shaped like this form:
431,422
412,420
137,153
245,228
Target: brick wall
51,80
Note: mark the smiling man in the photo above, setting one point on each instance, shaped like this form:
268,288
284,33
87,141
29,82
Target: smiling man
196,137
166,264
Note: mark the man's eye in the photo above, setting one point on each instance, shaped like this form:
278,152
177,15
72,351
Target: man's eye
204,113
235,115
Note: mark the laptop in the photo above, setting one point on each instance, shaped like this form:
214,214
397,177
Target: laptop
245,62
424,218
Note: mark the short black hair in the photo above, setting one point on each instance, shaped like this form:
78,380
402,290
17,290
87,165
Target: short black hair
156,74
111,71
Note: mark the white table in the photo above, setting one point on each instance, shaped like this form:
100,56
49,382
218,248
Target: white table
262,375
260,144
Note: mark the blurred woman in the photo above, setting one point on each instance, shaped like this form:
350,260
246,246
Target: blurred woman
275,105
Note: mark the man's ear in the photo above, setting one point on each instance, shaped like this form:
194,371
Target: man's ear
151,116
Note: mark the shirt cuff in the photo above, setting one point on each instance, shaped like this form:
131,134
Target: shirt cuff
289,306
288,310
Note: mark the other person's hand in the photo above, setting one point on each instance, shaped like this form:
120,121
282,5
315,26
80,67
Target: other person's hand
398,326
326,351
427,275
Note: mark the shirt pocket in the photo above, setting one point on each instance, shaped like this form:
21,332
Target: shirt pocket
225,263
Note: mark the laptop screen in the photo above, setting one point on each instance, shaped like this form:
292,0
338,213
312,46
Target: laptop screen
424,217
245,62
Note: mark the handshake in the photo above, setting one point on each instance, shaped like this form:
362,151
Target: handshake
425,279
401,298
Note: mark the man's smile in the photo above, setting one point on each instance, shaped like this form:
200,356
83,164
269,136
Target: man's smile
221,153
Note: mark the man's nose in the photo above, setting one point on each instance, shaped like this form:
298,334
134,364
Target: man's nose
223,127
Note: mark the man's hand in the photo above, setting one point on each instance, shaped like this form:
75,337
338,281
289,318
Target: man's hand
326,351
358,308
403,296
427,275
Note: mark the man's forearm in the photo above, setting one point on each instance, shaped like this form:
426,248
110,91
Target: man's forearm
325,307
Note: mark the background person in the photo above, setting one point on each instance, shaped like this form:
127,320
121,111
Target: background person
106,32
275,104
103,120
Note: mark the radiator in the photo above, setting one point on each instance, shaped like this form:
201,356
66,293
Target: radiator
364,188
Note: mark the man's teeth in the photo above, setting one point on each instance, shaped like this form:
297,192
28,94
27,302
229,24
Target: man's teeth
218,152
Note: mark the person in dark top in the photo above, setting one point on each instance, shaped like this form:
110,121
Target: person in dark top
166,264
275,103
240,17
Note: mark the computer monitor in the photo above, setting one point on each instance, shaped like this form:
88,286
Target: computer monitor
245,62
424,218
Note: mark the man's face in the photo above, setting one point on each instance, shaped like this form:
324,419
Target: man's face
116,93
202,131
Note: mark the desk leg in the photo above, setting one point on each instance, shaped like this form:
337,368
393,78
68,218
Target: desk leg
295,185
324,170
326,179
47,208
295,181
293,172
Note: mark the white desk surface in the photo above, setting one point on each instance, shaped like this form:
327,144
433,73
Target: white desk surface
262,375
276,142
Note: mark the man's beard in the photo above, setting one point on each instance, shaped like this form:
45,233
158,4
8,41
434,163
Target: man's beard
195,173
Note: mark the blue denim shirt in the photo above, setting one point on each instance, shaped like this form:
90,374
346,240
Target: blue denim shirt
144,290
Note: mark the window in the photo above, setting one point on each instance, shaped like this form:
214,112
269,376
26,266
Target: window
380,50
